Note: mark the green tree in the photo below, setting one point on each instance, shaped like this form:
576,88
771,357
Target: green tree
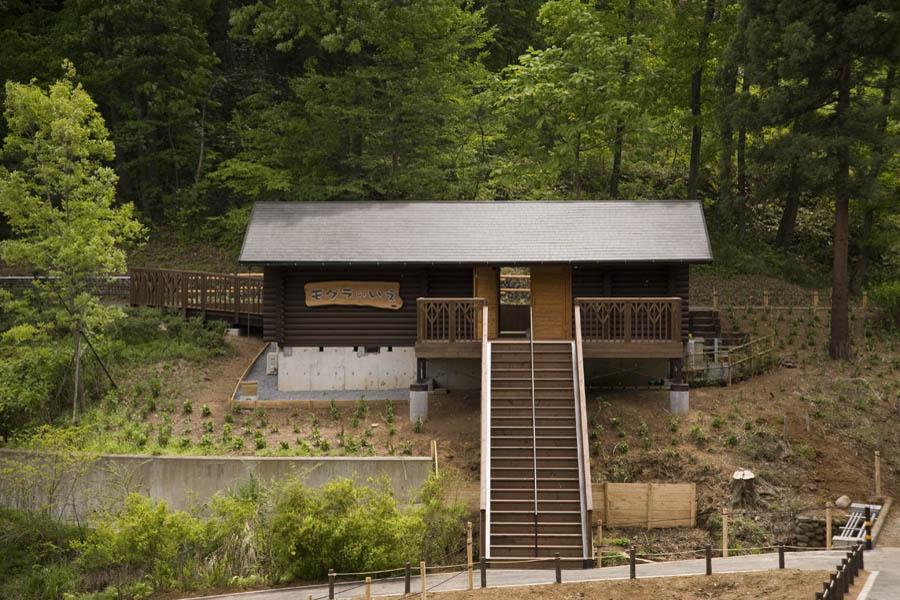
58,198
376,104
149,67
812,61
564,106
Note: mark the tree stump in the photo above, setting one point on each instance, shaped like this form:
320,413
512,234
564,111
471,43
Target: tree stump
743,489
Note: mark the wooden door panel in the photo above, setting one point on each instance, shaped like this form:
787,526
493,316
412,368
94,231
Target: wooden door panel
487,286
551,302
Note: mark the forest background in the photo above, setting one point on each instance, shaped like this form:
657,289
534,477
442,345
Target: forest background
780,117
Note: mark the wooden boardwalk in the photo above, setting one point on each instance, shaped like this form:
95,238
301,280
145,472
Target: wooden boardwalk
233,297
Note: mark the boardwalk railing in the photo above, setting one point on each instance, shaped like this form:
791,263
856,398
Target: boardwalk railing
449,320
197,291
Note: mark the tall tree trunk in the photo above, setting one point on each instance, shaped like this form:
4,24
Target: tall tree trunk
785,235
742,167
859,274
840,327
76,335
726,140
620,125
696,80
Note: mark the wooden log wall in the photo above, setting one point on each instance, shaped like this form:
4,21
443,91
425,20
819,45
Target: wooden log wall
634,280
287,320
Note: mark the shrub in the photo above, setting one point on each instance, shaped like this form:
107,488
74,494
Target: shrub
144,539
342,525
886,298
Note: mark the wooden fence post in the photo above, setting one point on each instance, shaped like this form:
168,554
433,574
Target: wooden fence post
725,532
828,526
693,505
708,559
185,277
469,552
368,588
422,573
407,574
865,301
203,295
330,584
766,299
815,303
715,300
649,502
237,298
878,473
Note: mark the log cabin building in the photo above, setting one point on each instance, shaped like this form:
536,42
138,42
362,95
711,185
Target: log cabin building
379,295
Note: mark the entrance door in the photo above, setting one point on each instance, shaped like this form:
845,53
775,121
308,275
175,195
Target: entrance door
551,302
487,286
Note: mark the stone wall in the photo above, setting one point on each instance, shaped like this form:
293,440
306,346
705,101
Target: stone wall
809,532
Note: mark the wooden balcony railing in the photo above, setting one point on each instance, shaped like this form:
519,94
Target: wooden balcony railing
197,291
449,327
647,327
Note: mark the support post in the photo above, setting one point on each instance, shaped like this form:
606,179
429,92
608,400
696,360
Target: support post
422,574
828,527
725,532
815,300
845,576
185,277
237,298
406,579
862,558
482,562
368,588
865,300
868,528
558,568
330,584
850,561
469,552
708,559
780,555
715,300
878,473
632,564
766,299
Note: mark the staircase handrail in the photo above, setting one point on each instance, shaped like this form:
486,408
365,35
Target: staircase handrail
485,433
533,426
585,458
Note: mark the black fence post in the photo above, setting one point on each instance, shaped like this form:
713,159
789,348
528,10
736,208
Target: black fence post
631,560
851,566
868,528
780,555
330,584
845,575
483,564
708,559
862,560
825,589
818,595
407,576
558,569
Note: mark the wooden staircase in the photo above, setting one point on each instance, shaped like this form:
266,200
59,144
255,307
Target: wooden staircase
536,504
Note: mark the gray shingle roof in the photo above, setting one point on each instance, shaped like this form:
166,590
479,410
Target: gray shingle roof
476,232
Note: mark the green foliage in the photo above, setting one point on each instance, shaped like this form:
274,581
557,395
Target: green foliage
333,410
144,539
886,298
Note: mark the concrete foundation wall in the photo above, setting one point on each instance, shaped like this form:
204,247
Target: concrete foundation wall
190,481
302,369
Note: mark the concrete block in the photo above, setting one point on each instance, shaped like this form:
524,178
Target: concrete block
679,398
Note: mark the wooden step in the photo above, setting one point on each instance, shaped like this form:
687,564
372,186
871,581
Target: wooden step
542,442
573,506
527,494
544,452
525,538
512,483
539,411
540,420
528,527
552,515
527,472
525,551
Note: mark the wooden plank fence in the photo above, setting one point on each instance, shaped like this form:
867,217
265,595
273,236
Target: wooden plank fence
649,505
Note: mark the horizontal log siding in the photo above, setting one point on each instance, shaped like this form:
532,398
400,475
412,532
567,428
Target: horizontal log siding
451,282
633,281
273,304
287,320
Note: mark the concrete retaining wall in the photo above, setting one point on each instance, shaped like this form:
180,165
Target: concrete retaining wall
190,481
305,369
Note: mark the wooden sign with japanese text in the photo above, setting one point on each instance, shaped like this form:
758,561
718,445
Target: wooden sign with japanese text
378,294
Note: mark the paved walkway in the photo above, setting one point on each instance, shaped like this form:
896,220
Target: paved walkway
886,561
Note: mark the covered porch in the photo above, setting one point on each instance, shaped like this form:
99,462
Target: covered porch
607,327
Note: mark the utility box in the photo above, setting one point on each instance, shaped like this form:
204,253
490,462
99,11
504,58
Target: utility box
272,363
